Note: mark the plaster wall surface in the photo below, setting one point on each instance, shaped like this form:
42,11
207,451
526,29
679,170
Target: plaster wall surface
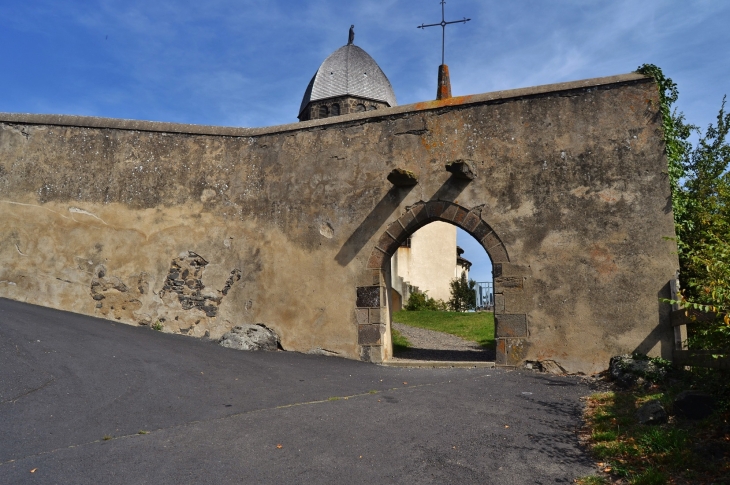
430,261
202,228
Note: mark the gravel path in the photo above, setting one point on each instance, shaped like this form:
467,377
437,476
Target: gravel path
432,345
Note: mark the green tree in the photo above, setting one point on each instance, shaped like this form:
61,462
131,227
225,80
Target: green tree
463,294
700,184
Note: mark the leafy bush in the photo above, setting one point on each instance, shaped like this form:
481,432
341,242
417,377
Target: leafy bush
463,294
700,183
421,301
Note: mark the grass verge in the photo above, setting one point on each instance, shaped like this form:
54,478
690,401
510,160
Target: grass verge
678,452
400,343
475,326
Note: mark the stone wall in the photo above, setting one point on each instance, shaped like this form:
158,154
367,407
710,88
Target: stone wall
197,229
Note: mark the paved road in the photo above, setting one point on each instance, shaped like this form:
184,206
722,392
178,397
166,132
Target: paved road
215,415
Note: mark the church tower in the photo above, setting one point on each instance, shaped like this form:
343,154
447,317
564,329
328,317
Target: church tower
348,81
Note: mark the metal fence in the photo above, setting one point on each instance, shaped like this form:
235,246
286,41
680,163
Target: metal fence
485,295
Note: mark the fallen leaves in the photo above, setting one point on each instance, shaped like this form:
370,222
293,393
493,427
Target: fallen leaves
279,446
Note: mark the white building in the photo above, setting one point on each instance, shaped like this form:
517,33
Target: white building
428,261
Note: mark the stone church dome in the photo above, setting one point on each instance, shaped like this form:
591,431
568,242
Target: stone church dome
348,73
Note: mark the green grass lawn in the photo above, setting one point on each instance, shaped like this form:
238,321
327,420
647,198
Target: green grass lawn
652,454
477,327
400,343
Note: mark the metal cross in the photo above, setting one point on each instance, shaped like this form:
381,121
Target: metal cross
443,25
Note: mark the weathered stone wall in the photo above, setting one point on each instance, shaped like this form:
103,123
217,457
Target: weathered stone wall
203,228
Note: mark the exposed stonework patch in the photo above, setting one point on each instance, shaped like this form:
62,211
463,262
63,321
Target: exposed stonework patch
185,279
115,298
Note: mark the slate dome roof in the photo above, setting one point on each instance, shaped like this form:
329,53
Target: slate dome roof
349,71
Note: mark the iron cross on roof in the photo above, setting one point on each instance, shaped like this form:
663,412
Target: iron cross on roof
443,25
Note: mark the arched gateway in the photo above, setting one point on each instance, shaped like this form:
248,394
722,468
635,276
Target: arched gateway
197,229
372,302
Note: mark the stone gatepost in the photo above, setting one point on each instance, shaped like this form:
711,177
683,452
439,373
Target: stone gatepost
512,301
372,318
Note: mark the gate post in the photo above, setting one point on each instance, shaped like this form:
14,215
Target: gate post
510,314
372,316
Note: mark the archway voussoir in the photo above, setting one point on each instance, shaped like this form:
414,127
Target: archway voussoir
408,221
449,211
481,230
498,254
490,240
470,222
377,259
388,243
397,231
419,212
434,209
460,215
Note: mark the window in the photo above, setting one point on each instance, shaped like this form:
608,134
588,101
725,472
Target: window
360,107
323,111
372,107
335,109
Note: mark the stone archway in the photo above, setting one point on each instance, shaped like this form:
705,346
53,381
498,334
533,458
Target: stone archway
372,302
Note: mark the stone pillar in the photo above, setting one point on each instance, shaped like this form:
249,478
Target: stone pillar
511,304
372,317
444,87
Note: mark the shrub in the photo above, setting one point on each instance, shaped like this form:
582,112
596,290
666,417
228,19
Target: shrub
463,294
421,301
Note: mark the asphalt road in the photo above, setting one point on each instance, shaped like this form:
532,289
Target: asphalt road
75,393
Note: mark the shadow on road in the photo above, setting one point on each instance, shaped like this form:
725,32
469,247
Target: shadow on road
486,355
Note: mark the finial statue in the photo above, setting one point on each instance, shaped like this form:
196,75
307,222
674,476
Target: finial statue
351,37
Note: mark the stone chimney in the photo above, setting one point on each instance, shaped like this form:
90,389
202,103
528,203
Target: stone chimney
444,87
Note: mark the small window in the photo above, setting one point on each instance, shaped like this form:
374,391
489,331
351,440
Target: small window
323,111
360,107
372,108
335,109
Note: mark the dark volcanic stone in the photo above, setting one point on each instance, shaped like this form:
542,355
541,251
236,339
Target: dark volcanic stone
628,371
694,405
651,412
402,178
251,337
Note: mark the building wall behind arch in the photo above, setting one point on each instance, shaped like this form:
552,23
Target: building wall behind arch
202,228
429,263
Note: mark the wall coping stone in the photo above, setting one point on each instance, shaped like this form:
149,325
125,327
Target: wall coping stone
165,127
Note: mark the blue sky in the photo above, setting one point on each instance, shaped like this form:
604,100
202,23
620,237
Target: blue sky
247,63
